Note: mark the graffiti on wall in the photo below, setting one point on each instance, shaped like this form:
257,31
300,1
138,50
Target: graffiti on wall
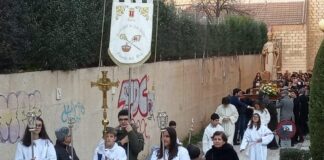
141,101
142,126
13,109
72,110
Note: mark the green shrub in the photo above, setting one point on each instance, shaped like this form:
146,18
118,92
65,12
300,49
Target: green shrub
236,35
316,114
294,154
195,138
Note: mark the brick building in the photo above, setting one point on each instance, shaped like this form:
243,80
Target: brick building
315,13
294,24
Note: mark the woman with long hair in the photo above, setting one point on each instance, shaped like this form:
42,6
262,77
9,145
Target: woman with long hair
42,147
221,150
256,138
257,80
263,112
172,150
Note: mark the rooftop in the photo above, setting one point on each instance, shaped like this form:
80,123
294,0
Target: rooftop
277,13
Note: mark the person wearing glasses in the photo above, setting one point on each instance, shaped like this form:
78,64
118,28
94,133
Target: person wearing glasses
62,146
127,135
42,147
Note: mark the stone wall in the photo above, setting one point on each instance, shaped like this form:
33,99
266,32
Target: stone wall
315,12
185,89
293,43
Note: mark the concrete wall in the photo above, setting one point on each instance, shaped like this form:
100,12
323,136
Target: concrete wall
184,89
293,51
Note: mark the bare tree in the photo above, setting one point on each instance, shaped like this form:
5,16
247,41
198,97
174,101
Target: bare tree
214,8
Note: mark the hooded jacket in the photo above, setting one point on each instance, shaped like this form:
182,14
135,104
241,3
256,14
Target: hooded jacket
63,151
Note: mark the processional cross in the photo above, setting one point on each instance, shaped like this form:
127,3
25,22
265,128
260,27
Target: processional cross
104,84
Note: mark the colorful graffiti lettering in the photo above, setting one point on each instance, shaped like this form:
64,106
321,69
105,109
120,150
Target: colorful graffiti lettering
142,125
72,110
140,100
13,109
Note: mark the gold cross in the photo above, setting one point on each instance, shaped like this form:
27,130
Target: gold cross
104,84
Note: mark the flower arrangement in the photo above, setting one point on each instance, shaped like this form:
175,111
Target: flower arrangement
269,89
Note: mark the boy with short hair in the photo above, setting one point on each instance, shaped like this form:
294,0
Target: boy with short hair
128,137
110,149
212,127
173,124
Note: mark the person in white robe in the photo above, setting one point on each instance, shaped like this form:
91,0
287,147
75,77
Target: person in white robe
42,148
256,138
167,147
109,149
213,126
181,155
228,115
263,112
99,145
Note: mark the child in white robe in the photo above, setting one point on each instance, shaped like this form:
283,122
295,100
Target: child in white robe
43,148
213,126
109,150
169,138
256,138
263,112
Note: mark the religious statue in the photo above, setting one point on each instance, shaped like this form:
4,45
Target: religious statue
270,53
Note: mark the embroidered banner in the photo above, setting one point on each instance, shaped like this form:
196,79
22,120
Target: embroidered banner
131,32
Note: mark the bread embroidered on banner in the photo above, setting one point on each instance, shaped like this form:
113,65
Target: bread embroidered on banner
131,32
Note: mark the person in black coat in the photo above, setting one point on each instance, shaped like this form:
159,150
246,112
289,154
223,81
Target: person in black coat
303,99
221,150
62,146
297,112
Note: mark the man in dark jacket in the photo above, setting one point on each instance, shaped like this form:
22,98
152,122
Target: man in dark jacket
241,107
128,137
303,99
62,146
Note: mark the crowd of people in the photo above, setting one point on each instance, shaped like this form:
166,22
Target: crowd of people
238,120
251,121
292,104
120,143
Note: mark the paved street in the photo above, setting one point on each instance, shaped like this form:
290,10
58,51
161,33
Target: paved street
273,154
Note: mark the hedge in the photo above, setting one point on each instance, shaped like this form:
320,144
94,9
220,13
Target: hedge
294,154
65,35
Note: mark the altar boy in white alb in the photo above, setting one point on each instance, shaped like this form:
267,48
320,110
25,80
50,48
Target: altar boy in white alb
110,149
212,127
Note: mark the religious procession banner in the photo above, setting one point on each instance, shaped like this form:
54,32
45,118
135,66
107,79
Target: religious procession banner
131,32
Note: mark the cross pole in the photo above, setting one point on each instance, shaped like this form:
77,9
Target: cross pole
104,84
